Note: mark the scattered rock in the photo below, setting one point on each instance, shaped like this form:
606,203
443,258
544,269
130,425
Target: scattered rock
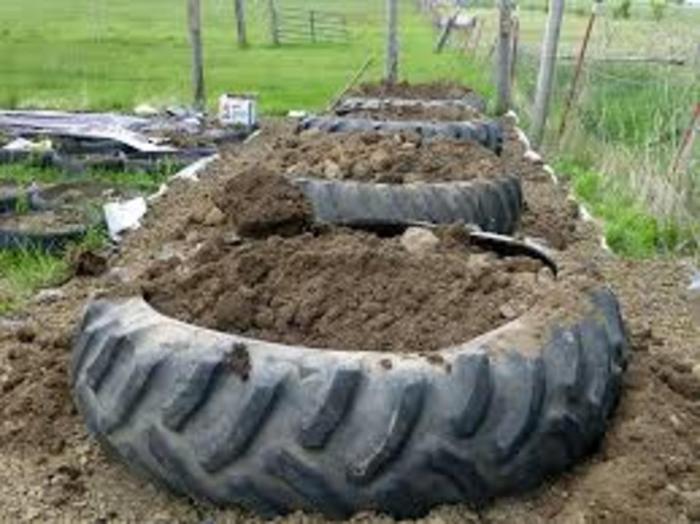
332,170
419,240
119,275
380,160
533,156
508,312
232,239
49,296
214,217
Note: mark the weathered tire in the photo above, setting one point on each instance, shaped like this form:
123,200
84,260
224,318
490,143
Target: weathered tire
48,242
494,205
273,428
487,133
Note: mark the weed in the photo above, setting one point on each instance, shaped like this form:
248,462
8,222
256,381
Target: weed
23,272
629,229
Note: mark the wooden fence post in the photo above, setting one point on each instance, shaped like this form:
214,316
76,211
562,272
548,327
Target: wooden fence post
392,43
505,24
194,15
514,50
545,77
240,23
579,65
686,142
274,22
312,25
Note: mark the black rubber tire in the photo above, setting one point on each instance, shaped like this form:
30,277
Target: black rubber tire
487,133
494,205
235,421
47,242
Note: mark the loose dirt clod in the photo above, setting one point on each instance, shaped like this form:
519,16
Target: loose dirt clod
239,361
259,203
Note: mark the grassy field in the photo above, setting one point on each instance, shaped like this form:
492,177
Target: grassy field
115,54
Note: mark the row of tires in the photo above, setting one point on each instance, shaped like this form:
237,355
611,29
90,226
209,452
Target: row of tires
230,420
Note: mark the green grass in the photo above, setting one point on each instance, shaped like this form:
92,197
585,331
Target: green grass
629,229
115,54
26,173
23,273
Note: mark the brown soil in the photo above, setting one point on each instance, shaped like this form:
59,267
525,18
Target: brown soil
260,203
646,471
347,290
435,90
371,157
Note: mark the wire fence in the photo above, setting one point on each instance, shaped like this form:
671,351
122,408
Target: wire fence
632,107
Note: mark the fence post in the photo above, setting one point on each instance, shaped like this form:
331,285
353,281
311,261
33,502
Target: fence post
312,25
505,24
579,65
686,142
545,77
392,43
445,35
514,50
274,22
240,23
194,16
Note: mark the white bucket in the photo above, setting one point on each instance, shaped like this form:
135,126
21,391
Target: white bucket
236,110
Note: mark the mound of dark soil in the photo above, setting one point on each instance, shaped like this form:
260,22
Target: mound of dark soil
260,203
348,290
371,157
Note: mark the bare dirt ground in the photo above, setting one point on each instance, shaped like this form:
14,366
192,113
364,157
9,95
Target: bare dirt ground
647,470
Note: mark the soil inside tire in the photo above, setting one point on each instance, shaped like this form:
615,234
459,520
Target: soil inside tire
349,290
426,91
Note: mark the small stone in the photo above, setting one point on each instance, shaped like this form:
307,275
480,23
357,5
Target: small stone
214,217
119,275
380,160
508,312
49,296
511,118
360,169
232,239
418,240
332,170
533,156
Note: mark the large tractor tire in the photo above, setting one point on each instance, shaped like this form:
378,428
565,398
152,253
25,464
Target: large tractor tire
235,421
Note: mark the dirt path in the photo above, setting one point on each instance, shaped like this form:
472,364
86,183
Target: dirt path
647,470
